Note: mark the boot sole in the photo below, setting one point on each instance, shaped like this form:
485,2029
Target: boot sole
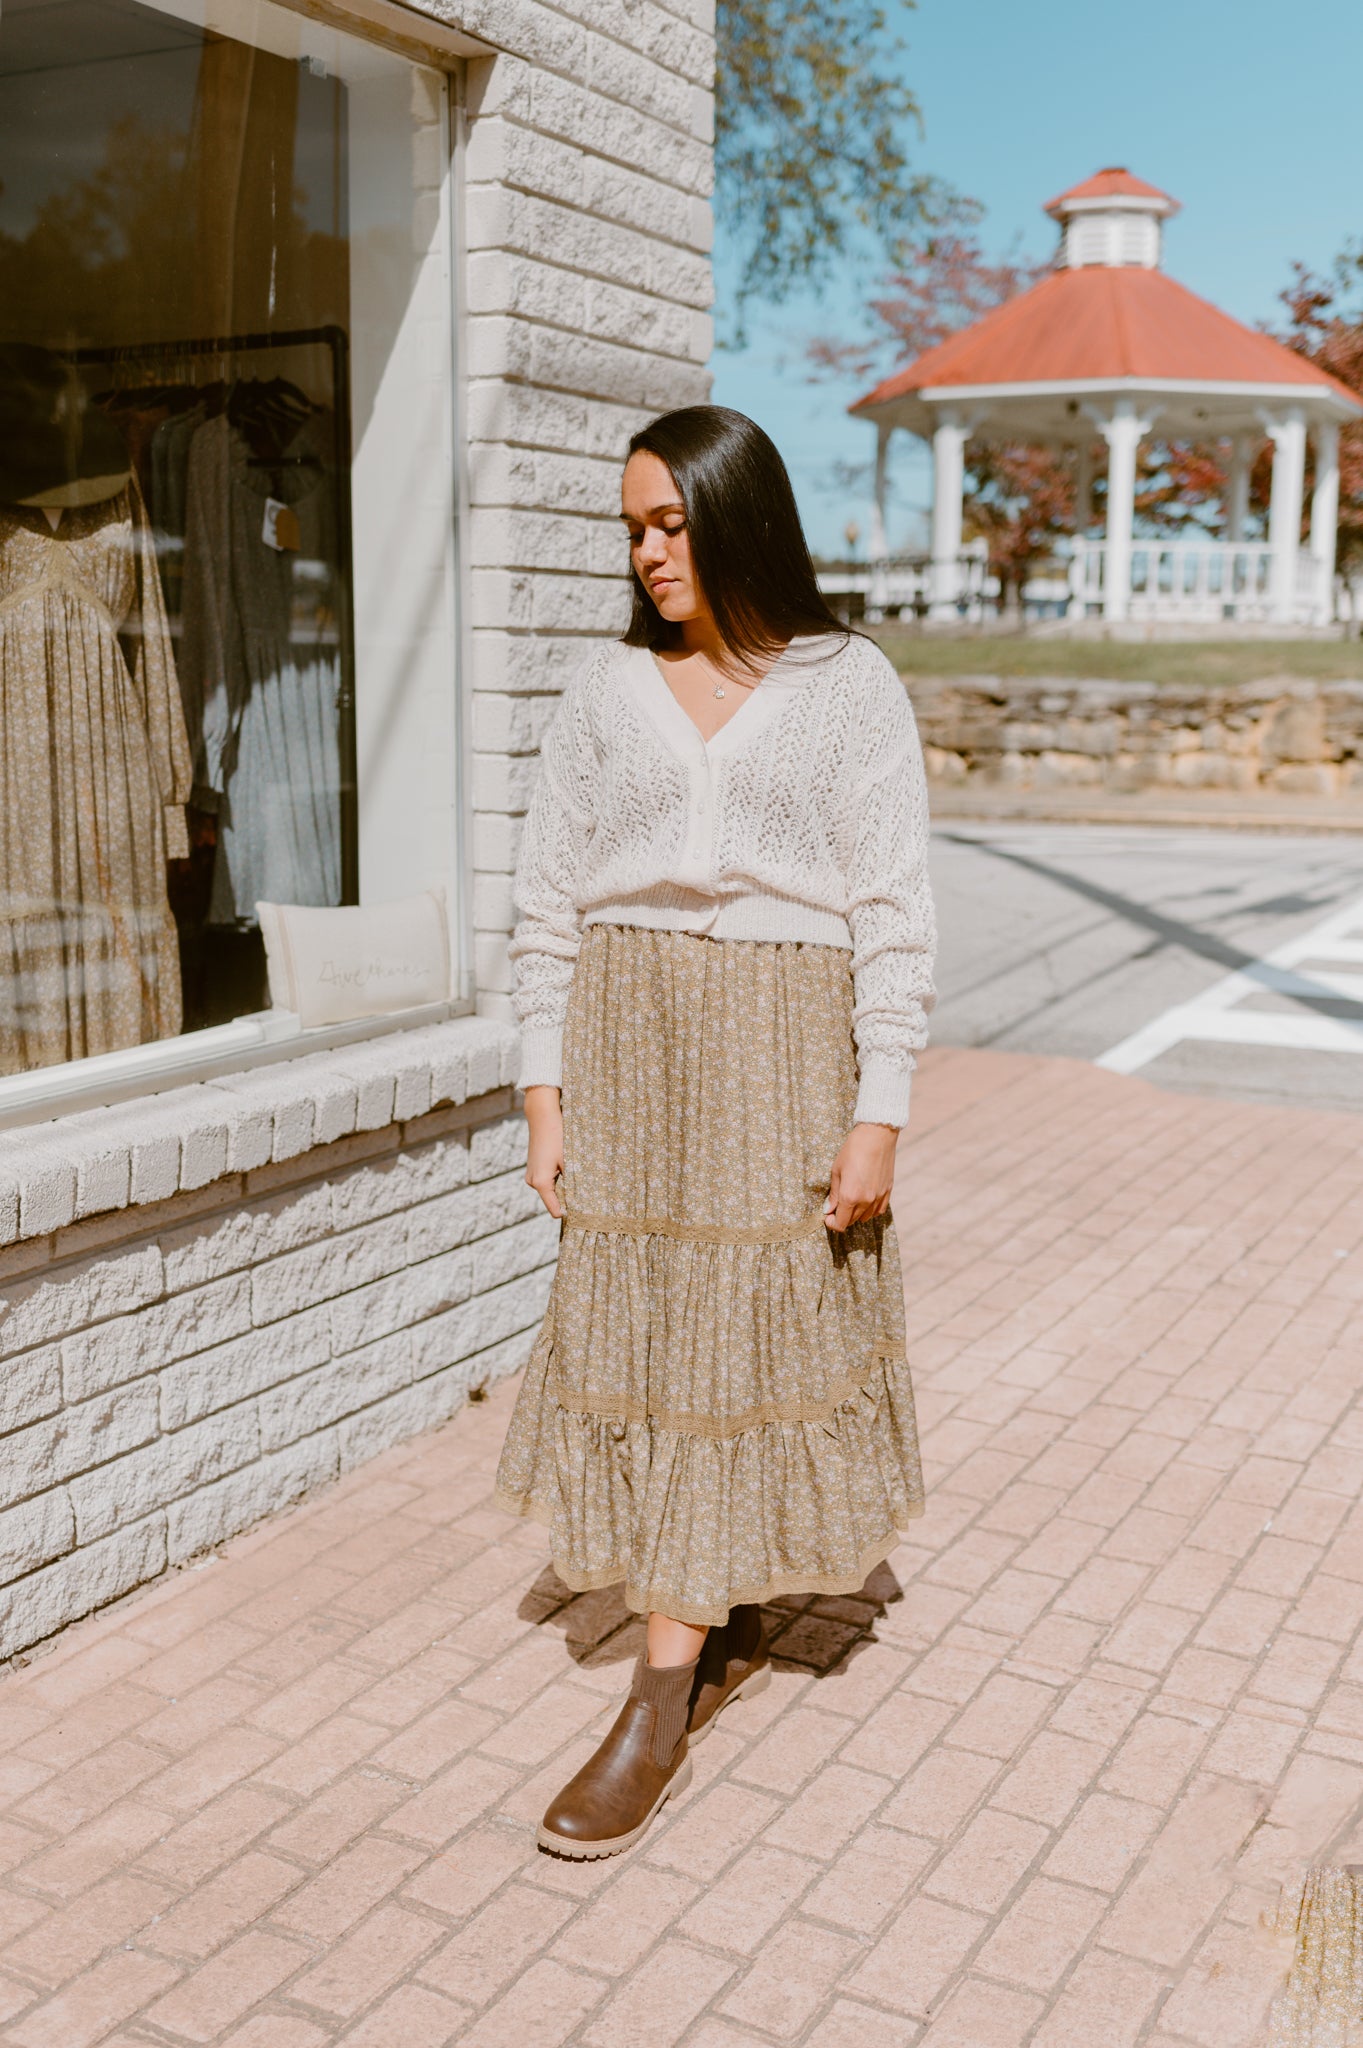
615,1845
756,1682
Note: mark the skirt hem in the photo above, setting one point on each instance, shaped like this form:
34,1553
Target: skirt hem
700,1615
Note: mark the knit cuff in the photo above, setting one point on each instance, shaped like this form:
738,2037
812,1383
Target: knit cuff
541,1056
883,1093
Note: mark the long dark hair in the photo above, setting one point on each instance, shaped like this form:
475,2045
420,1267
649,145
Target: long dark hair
748,548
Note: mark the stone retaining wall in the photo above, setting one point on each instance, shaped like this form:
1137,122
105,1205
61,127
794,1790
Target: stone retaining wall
1281,734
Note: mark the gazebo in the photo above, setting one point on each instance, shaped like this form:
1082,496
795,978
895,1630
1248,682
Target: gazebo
1108,347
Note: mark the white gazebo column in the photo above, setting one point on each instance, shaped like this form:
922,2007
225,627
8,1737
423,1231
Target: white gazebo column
948,489
877,595
1237,489
1122,432
1325,519
1288,435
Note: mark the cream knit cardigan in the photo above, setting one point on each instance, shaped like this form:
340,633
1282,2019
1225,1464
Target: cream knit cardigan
805,818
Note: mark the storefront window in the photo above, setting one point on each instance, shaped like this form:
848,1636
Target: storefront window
227,597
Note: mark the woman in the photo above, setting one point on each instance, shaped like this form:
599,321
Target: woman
723,969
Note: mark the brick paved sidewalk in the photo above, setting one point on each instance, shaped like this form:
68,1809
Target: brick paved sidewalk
1037,1785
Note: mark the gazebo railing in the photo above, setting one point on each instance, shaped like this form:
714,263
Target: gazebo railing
1193,580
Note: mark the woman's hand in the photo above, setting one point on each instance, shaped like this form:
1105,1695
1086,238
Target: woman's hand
862,1177
544,1114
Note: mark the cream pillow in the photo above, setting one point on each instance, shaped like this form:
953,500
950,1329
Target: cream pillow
363,960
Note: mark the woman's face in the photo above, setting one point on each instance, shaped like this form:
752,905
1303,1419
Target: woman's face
655,519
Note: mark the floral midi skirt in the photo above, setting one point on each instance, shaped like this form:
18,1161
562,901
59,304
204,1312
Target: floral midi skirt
718,1407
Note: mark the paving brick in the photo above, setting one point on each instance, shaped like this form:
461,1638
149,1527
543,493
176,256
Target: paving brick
87,2010
711,1830
657,2004
828,1812
276,2030
791,1979
1108,1999
800,1742
850,2025
496,1944
229,1903
631,1913
1001,1716
985,1864
1040,1935
942,1792
368,1959
62,1944
351,1884
1052,1773
918,1953
226,1987
754,1895
413,2017
869,1880
1099,1844
981,2015
544,2007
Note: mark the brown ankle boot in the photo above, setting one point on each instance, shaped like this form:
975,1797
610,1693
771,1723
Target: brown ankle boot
641,1763
734,1665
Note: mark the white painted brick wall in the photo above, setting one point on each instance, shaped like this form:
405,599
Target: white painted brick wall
587,225
160,1394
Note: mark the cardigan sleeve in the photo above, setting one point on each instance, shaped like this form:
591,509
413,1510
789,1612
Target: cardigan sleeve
548,934
890,911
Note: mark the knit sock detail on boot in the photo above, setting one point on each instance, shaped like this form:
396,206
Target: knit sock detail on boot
668,1689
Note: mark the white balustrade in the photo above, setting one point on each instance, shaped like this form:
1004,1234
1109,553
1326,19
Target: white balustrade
1197,581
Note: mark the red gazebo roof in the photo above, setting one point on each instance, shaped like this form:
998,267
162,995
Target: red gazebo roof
1101,323
1116,182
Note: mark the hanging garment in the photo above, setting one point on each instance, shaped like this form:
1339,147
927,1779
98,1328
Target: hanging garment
170,445
94,771
260,668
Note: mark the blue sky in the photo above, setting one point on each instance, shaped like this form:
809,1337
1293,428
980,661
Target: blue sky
1246,110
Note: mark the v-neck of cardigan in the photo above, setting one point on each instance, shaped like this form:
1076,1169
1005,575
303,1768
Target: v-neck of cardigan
678,726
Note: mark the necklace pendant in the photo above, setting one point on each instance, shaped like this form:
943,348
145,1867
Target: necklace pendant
719,689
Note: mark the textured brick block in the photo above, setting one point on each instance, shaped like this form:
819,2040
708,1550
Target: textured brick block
402,1299
36,1310
162,1471
46,1600
269,1483
299,1280
306,1404
81,1437
35,1532
242,1236
30,1387
226,1374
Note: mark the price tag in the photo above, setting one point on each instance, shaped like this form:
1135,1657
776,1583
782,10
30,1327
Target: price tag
280,530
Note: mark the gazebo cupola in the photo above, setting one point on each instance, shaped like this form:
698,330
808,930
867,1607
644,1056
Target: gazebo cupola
1107,348
1111,218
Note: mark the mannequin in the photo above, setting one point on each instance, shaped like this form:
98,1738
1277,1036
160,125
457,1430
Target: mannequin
94,761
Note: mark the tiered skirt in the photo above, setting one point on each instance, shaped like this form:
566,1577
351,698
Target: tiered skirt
718,1407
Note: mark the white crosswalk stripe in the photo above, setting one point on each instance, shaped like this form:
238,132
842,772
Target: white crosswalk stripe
1305,968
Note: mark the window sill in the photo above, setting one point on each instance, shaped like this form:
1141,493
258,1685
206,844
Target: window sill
262,1092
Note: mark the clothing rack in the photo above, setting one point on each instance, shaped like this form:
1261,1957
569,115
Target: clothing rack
338,341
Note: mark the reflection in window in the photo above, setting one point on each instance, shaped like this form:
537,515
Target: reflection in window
176,693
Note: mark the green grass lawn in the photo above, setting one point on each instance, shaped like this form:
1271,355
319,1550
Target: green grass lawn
1215,663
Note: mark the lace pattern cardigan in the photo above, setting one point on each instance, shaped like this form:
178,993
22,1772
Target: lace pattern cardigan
804,819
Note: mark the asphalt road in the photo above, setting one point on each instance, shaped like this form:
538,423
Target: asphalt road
1221,962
